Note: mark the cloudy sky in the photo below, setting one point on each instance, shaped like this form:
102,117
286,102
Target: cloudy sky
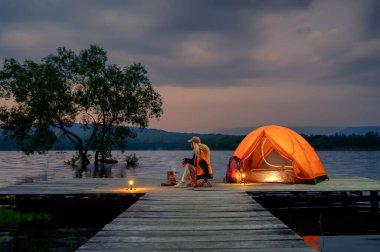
222,64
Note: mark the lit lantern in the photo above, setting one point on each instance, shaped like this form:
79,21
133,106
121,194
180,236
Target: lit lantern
243,180
130,184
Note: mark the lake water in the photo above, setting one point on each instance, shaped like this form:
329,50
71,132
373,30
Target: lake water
15,168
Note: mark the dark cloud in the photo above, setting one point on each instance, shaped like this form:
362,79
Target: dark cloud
35,11
286,57
204,42
361,71
145,30
219,16
372,19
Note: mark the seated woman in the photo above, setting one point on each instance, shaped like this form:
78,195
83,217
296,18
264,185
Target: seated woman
197,167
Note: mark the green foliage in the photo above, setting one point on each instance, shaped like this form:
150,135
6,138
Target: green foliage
66,87
105,152
12,217
74,160
41,138
131,160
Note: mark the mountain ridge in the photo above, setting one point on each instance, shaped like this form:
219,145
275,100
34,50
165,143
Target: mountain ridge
159,139
308,130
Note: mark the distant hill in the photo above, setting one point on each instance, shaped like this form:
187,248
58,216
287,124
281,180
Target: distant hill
155,139
309,130
163,140
150,139
360,130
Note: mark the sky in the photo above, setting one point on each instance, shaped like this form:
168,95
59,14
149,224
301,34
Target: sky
222,64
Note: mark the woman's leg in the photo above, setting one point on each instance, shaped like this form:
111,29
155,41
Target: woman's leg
189,171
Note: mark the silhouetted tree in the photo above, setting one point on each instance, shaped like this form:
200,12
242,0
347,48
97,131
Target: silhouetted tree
66,88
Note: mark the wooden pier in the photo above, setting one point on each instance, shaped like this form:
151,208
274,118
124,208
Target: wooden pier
223,217
200,219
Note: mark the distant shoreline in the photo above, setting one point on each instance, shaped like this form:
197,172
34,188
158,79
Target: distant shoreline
156,140
131,150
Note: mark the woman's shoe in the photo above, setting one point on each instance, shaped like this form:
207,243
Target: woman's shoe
180,185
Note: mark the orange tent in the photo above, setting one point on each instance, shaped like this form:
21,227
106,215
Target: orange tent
278,154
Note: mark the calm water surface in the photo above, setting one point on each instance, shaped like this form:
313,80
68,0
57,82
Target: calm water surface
15,168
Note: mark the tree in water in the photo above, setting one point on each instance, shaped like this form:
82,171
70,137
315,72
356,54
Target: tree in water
42,99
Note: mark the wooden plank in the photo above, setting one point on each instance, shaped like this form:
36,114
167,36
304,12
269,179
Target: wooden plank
194,208
195,222
206,235
193,219
227,226
94,248
177,246
205,215
210,200
130,238
200,207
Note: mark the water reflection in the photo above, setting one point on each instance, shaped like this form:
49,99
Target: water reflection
311,240
110,171
32,179
330,229
102,171
16,167
57,228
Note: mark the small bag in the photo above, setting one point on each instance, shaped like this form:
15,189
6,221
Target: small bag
171,179
233,173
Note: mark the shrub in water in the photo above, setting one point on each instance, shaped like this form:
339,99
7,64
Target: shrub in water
73,161
131,160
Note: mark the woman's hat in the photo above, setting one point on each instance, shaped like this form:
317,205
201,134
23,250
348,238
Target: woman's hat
194,140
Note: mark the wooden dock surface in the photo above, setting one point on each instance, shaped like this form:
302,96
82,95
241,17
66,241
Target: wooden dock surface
340,183
184,219
119,185
223,217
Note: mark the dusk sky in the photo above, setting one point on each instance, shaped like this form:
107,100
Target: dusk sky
222,64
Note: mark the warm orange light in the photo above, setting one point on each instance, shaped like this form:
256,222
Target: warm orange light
273,178
140,190
243,178
130,182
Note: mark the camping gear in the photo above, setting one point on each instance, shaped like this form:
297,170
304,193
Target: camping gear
234,171
276,154
171,179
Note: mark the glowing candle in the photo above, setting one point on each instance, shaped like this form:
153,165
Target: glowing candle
243,178
130,182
